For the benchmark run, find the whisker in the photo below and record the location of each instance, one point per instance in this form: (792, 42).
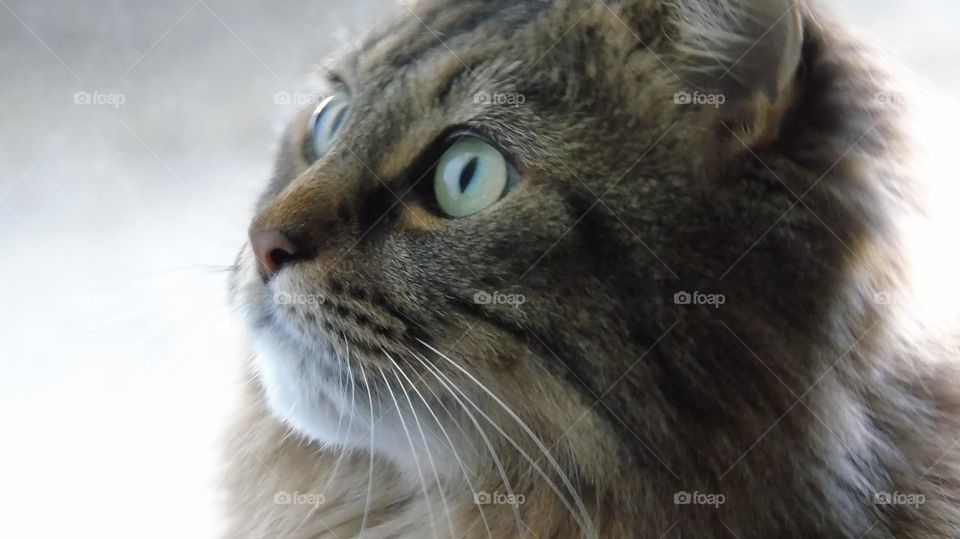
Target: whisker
(586, 522)
(343, 390)
(413, 451)
(152, 331)
(290, 431)
(366, 506)
(453, 448)
(436, 475)
(486, 440)
(439, 401)
(353, 401)
(203, 268)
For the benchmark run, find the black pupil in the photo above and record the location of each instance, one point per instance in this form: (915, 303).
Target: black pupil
(466, 176)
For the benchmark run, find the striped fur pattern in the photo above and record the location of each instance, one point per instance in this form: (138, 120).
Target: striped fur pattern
(397, 406)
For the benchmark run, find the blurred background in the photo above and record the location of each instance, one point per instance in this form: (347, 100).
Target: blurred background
(135, 136)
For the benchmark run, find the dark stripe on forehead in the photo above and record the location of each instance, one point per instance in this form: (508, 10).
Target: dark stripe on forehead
(443, 91)
(438, 26)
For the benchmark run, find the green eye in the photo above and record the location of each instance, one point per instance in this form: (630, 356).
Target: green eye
(470, 176)
(325, 123)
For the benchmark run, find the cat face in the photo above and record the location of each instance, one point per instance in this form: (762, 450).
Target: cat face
(488, 221)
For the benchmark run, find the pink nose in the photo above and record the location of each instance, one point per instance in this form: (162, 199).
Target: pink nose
(273, 249)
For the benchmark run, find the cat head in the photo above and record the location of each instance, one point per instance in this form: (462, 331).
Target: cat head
(524, 225)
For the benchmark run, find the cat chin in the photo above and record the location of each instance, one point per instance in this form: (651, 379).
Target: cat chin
(302, 390)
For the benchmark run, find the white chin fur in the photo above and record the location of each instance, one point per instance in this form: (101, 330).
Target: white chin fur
(303, 392)
(300, 392)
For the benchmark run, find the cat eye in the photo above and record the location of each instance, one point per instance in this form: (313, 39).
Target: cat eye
(470, 176)
(325, 123)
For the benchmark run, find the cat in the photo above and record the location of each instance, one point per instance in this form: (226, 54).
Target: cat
(610, 268)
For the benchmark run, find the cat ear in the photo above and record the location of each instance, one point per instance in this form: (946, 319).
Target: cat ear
(741, 56)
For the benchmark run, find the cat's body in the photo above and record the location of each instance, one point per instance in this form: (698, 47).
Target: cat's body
(797, 403)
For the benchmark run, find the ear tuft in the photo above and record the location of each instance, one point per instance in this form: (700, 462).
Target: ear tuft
(747, 51)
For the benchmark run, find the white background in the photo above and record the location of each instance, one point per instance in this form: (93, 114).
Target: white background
(116, 347)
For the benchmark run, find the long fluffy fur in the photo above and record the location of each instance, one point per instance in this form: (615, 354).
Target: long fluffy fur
(806, 400)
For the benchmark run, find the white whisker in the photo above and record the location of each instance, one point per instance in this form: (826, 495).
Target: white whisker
(341, 455)
(353, 401)
(453, 447)
(366, 506)
(413, 452)
(585, 521)
(426, 445)
(486, 440)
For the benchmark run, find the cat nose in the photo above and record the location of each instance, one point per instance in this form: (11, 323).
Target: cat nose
(273, 250)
